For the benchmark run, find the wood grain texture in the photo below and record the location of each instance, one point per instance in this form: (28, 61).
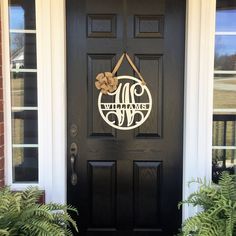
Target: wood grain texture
(129, 182)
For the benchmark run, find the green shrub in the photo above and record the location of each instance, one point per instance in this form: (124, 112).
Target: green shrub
(21, 214)
(218, 204)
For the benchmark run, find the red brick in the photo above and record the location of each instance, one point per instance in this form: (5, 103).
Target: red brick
(1, 117)
(1, 93)
(42, 198)
(1, 129)
(2, 163)
(1, 139)
(1, 105)
(2, 174)
(1, 152)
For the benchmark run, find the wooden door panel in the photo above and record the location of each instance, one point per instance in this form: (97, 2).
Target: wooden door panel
(149, 26)
(151, 67)
(147, 193)
(129, 182)
(101, 26)
(102, 185)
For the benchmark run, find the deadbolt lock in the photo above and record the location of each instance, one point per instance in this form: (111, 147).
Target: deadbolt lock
(74, 149)
(73, 130)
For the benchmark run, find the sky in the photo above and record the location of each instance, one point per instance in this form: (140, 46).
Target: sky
(225, 22)
(16, 17)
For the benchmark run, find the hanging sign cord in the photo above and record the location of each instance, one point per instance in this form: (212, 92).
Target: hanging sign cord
(135, 69)
(118, 64)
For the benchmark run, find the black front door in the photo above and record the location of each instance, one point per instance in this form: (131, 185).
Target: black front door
(128, 182)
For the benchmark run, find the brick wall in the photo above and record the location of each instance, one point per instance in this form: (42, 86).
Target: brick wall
(1, 116)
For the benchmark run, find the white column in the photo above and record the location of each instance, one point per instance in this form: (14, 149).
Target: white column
(200, 28)
(52, 97)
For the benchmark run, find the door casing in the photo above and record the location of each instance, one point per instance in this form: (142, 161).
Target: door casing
(51, 59)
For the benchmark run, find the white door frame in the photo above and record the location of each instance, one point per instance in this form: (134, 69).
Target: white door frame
(198, 109)
(51, 44)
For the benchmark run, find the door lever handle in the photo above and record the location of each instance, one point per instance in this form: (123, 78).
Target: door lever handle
(73, 155)
(74, 177)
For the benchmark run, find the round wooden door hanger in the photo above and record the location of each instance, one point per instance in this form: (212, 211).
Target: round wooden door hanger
(124, 102)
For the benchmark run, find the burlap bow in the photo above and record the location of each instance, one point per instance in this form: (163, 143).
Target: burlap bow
(107, 81)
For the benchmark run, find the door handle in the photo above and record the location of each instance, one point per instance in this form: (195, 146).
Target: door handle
(73, 155)
(74, 177)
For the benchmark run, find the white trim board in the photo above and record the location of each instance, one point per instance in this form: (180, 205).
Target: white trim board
(6, 92)
(51, 41)
(52, 91)
(199, 66)
(22, 31)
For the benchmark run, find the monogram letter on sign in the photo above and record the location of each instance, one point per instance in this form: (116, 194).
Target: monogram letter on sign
(124, 102)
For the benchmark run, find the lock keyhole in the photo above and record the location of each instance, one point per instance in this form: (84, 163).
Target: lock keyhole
(73, 149)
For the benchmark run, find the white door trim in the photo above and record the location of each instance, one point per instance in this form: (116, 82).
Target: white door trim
(198, 110)
(51, 38)
(51, 43)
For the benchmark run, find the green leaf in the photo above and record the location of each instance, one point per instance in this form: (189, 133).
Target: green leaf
(21, 214)
(218, 202)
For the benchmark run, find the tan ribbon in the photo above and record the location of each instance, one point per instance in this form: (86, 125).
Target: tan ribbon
(108, 82)
(118, 64)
